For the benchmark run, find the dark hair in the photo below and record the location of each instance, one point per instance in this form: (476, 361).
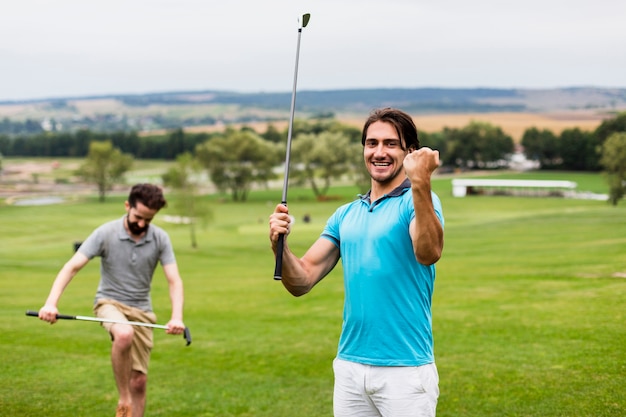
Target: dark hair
(402, 122)
(149, 195)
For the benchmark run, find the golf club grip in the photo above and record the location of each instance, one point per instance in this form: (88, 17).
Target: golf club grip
(278, 271)
(59, 316)
(187, 335)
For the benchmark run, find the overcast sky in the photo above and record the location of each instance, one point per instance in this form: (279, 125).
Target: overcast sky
(57, 48)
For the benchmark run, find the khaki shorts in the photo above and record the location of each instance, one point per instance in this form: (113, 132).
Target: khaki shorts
(142, 340)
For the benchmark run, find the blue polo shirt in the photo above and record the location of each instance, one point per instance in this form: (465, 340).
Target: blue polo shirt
(388, 294)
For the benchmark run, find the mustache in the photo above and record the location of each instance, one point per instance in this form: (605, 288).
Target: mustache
(134, 227)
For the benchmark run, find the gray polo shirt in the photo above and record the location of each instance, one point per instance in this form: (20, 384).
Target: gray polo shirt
(126, 266)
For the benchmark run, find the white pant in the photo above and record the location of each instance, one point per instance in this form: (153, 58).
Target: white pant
(384, 391)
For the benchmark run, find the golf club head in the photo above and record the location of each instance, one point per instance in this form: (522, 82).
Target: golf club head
(305, 19)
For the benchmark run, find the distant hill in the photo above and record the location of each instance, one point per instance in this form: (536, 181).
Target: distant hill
(413, 99)
(167, 110)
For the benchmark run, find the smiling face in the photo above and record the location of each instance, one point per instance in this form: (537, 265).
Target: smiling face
(383, 154)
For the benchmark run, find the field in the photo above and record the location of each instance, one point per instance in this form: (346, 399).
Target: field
(528, 311)
(513, 124)
(558, 113)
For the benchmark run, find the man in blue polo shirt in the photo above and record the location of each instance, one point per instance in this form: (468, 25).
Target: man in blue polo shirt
(388, 240)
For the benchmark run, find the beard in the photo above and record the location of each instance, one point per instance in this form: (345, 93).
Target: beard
(134, 228)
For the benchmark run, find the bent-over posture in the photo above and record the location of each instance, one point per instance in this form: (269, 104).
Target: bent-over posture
(130, 249)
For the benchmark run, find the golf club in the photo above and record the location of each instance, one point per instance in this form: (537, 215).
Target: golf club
(186, 333)
(281, 239)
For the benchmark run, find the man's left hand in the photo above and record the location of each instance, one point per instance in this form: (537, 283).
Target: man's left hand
(175, 327)
(421, 163)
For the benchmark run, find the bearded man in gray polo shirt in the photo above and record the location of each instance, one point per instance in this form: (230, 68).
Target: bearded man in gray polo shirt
(130, 249)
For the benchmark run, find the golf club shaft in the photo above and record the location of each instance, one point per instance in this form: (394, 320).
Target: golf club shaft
(281, 238)
(186, 333)
(101, 320)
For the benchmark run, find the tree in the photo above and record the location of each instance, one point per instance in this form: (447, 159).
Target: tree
(322, 157)
(237, 160)
(542, 146)
(361, 175)
(578, 150)
(610, 126)
(272, 134)
(353, 133)
(181, 177)
(175, 144)
(478, 145)
(5, 144)
(104, 166)
(613, 159)
(435, 140)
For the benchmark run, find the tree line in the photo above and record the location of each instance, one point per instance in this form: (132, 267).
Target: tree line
(76, 144)
(325, 150)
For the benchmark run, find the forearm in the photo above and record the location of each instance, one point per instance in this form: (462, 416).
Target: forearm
(61, 281)
(293, 273)
(299, 275)
(176, 298)
(427, 233)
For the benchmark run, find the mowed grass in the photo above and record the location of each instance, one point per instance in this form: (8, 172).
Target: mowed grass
(528, 312)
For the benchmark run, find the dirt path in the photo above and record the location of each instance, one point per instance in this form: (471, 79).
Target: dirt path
(27, 179)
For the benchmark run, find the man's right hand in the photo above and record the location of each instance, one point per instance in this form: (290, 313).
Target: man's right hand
(280, 223)
(48, 313)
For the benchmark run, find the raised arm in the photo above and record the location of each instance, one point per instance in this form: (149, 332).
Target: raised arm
(426, 230)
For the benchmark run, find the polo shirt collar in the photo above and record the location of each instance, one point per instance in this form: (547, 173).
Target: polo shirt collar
(396, 192)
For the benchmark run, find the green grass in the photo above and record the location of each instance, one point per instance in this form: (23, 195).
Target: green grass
(528, 312)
